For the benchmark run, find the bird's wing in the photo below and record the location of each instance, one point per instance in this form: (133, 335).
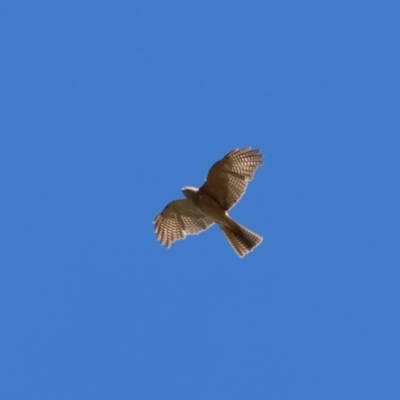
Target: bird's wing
(178, 219)
(228, 178)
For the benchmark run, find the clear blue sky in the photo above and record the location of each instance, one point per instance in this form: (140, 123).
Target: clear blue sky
(108, 109)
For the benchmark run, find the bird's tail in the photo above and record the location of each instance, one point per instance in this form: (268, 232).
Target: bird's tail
(240, 238)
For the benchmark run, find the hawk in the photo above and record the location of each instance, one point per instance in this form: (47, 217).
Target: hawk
(226, 183)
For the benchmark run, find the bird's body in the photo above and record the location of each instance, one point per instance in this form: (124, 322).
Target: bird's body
(206, 204)
(226, 183)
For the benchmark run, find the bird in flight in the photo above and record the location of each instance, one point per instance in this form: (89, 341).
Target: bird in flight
(226, 183)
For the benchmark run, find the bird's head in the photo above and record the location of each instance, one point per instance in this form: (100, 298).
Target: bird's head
(189, 191)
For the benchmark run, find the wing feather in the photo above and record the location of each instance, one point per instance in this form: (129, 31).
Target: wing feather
(178, 219)
(228, 178)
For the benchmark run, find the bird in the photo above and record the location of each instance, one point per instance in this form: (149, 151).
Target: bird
(203, 207)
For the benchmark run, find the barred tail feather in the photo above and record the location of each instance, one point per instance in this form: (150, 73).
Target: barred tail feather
(241, 239)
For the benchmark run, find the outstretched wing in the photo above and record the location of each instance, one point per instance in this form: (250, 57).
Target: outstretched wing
(228, 178)
(178, 219)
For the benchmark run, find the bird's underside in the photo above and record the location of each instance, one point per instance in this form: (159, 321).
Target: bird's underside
(226, 183)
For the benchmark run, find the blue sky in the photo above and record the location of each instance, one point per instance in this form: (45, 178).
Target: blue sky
(108, 109)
